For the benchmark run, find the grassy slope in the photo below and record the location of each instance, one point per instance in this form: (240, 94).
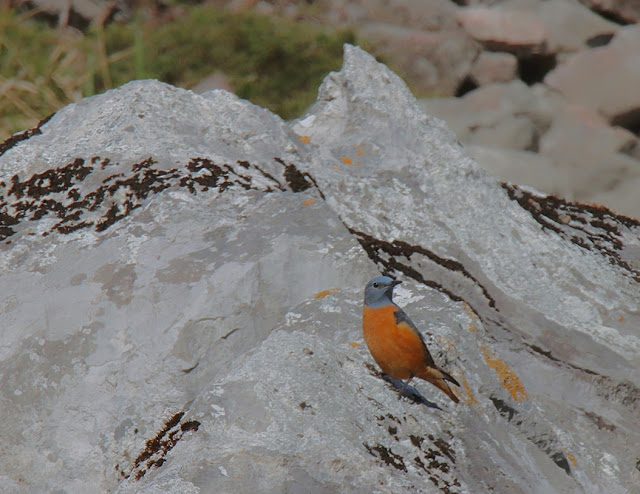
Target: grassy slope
(274, 63)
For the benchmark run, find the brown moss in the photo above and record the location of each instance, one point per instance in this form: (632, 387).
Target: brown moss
(156, 449)
(56, 191)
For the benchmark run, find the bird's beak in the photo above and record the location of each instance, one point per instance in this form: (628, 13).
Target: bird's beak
(395, 282)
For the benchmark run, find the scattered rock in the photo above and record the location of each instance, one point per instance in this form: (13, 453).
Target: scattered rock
(437, 61)
(622, 191)
(605, 79)
(458, 48)
(492, 67)
(525, 168)
(581, 154)
(425, 15)
(570, 26)
(624, 11)
(520, 33)
(79, 13)
(507, 115)
(583, 140)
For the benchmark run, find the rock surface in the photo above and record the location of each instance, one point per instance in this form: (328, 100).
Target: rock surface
(569, 53)
(627, 11)
(437, 61)
(604, 79)
(570, 26)
(580, 156)
(182, 283)
(509, 31)
(494, 67)
(508, 115)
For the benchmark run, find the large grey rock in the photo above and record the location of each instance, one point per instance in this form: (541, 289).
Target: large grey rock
(130, 284)
(193, 325)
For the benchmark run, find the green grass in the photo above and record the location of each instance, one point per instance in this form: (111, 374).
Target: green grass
(274, 63)
(39, 69)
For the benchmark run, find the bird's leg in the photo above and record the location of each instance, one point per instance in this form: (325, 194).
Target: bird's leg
(403, 388)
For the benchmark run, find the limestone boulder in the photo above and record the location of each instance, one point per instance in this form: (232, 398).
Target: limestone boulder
(130, 283)
(182, 281)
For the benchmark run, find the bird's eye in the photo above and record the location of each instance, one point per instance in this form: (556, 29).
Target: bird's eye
(375, 285)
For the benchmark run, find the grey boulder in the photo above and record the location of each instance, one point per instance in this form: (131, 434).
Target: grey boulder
(181, 292)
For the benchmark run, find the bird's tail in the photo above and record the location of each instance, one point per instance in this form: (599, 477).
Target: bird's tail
(438, 378)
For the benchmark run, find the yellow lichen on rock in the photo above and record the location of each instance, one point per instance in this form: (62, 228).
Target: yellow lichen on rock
(509, 379)
(324, 293)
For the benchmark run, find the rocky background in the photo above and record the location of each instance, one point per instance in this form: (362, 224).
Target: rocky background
(181, 290)
(540, 92)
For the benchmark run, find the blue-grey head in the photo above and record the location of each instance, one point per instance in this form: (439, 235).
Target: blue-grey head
(379, 291)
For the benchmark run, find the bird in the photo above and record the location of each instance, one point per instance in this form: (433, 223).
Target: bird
(394, 341)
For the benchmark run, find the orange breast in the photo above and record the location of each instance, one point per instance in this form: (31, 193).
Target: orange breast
(396, 348)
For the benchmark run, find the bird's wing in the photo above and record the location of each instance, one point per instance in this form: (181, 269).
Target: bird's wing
(403, 318)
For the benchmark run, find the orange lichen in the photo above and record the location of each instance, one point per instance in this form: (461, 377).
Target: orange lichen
(324, 293)
(621, 319)
(571, 458)
(470, 399)
(305, 139)
(309, 202)
(360, 151)
(346, 160)
(471, 314)
(509, 379)
(355, 344)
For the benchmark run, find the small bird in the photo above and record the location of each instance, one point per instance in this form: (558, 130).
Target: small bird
(394, 341)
